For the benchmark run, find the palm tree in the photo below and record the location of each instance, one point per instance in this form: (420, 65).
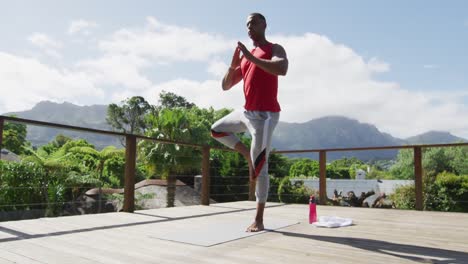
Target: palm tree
(167, 159)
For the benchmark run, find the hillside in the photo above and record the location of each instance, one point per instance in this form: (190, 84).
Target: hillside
(434, 137)
(326, 132)
(335, 132)
(69, 114)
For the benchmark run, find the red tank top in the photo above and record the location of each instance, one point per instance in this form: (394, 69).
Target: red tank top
(260, 87)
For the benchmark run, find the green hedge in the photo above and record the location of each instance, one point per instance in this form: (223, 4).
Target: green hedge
(21, 186)
(448, 192)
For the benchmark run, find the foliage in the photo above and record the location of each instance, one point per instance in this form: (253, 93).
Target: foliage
(338, 173)
(14, 137)
(278, 165)
(403, 169)
(338, 169)
(57, 143)
(175, 124)
(304, 167)
(229, 176)
(130, 116)
(114, 171)
(101, 158)
(20, 184)
(434, 161)
(448, 193)
(377, 173)
(163, 158)
(404, 197)
(293, 192)
(172, 100)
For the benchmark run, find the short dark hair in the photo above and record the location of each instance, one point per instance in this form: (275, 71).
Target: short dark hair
(258, 15)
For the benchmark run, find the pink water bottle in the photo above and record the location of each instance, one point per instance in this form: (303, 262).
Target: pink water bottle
(312, 210)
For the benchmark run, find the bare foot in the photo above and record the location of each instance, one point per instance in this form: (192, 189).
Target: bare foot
(255, 227)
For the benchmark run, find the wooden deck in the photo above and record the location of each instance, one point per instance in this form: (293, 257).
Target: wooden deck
(378, 236)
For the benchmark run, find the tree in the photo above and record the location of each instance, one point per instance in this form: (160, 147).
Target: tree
(172, 100)
(344, 168)
(167, 159)
(434, 161)
(403, 169)
(130, 116)
(57, 143)
(458, 159)
(444, 177)
(14, 137)
(304, 167)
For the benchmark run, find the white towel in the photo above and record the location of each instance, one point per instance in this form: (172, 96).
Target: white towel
(333, 221)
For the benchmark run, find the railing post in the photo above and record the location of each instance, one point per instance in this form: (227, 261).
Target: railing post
(418, 182)
(2, 121)
(323, 176)
(130, 165)
(205, 192)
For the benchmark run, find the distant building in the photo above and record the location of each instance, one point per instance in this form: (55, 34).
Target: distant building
(9, 156)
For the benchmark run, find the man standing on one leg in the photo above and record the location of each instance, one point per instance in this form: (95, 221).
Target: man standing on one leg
(259, 69)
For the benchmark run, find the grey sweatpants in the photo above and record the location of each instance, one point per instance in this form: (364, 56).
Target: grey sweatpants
(260, 126)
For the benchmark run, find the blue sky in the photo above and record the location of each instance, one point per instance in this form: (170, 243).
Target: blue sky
(400, 65)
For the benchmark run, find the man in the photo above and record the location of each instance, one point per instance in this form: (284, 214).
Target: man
(259, 69)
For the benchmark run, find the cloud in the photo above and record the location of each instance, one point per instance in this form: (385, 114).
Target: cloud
(43, 41)
(47, 44)
(327, 78)
(81, 26)
(166, 43)
(324, 78)
(217, 68)
(117, 69)
(26, 81)
(204, 94)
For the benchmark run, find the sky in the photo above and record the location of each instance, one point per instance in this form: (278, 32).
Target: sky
(399, 65)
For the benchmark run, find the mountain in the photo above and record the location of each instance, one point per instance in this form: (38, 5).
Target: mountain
(326, 132)
(68, 114)
(434, 137)
(334, 132)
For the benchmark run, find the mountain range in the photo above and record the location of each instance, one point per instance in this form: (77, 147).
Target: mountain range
(326, 132)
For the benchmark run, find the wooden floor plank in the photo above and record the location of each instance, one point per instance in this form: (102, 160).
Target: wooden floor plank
(377, 236)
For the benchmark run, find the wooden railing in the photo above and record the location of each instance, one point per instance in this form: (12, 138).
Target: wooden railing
(130, 159)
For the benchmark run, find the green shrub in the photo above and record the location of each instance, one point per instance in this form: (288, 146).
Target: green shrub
(450, 193)
(293, 193)
(20, 186)
(404, 197)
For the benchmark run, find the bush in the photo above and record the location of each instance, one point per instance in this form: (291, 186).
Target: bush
(293, 193)
(449, 193)
(404, 197)
(20, 186)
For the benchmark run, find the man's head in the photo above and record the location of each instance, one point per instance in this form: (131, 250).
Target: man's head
(256, 26)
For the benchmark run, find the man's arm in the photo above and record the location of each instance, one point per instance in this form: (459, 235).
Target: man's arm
(278, 65)
(234, 74)
(232, 77)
